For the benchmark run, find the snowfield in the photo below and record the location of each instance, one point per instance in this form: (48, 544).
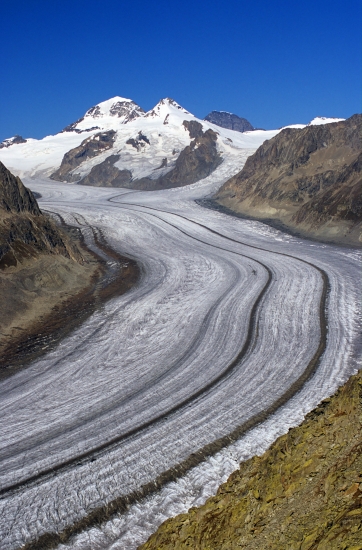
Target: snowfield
(234, 332)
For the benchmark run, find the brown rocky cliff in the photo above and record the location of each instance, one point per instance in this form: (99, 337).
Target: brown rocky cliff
(41, 269)
(25, 232)
(14, 197)
(195, 162)
(309, 179)
(304, 493)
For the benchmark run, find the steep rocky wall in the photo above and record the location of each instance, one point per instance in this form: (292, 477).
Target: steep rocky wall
(304, 493)
(309, 179)
(89, 148)
(25, 232)
(229, 120)
(196, 161)
(105, 174)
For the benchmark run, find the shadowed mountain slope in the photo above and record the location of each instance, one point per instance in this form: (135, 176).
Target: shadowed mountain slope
(41, 267)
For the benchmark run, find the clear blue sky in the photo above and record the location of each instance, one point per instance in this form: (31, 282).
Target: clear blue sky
(273, 62)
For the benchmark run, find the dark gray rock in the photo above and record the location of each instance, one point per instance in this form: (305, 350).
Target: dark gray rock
(194, 128)
(197, 161)
(24, 231)
(128, 109)
(89, 148)
(139, 141)
(229, 121)
(12, 141)
(106, 174)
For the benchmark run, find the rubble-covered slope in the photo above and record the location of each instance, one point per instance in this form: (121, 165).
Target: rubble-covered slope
(309, 179)
(40, 265)
(303, 493)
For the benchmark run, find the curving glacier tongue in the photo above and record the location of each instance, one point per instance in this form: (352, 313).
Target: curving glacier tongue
(234, 332)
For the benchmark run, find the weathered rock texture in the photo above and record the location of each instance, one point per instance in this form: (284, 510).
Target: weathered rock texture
(128, 110)
(24, 231)
(106, 174)
(40, 265)
(304, 493)
(230, 121)
(195, 162)
(89, 148)
(309, 179)
(194, 128)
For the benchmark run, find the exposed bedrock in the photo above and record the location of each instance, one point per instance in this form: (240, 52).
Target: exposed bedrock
(194, 128)
(229, 121)
(14, 197)
(304, 492)
(89, 148)
(197, 161)
(40, 265)
(128, 110)
(309, 179)
(12, 141)
(24, 231)
(106, 174)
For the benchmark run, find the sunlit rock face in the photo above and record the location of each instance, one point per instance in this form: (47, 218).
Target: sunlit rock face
(308, 178)
(304, 491)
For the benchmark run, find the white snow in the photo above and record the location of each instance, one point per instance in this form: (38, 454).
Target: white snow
(324, 120)
(43, 157)
(142, 354)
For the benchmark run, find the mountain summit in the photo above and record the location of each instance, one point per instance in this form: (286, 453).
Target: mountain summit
(230, 121)
(105, 113)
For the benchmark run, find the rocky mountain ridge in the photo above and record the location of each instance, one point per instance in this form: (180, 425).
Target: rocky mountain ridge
(194, 158)
(230, 121)
(309, 179)
(24, 231)
(41, 267)
(117, 144)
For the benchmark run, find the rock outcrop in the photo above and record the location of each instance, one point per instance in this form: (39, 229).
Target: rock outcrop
(304, 493)
(89, 148)
(24, 231)
(117, 107)
(309, 179)
(106, 174)
(197, 161)
(41, 267)
(12, 141)
(229, 121)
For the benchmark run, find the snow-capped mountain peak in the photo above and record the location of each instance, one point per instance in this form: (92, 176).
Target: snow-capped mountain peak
(167, 106)
(116, 106)
(102, 115)
(12, 141)
(324, 120)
